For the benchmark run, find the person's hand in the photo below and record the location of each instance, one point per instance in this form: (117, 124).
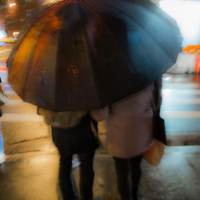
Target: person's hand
(100, 114)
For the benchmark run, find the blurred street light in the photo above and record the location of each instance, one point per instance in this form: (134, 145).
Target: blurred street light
(1, 35)
(12, 5)
(15, 34)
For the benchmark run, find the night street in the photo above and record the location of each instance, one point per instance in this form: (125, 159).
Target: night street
(81, 55)
(31, 165)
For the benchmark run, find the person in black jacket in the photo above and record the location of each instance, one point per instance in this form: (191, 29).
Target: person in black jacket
(78, 139)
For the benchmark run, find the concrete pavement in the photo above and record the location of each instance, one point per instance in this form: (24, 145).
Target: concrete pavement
(29, 176)
(31, 167)
(33, 176)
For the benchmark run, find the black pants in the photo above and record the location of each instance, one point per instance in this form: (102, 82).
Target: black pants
(128, 176)
(65, 171)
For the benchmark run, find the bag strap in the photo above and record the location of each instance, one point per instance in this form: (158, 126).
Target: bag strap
(156, 93)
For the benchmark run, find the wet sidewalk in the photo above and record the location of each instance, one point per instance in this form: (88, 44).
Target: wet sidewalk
(30, 171)
(33, 176)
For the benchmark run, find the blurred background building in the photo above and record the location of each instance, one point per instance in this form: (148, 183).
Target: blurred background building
(187, 15)
(14, 13)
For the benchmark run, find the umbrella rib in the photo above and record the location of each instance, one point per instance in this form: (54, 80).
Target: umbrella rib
(110, 33)
(133, 20)
(64, 13)
(49, 21)
(97, 93)
(139, 26)
(25, 30)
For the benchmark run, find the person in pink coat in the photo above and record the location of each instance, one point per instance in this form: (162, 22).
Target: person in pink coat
(129, 135)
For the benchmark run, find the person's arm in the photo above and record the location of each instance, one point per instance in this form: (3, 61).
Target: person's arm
(100, 114)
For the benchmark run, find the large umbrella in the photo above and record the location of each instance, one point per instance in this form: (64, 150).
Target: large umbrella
(84, 54)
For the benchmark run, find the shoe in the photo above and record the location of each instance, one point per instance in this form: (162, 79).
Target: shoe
(136, 198)
(98, 198)
(75, 163)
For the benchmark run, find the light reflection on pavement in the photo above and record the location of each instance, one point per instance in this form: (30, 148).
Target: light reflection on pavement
(2, 155)
(1, 141)
(3, 75)
(3, 71)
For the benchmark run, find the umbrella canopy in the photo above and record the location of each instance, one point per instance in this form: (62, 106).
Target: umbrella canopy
(6, 39)
(85, 54)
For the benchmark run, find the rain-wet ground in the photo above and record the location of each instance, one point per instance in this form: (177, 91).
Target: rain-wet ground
(32, 176)
(31, 167)
(181, 108)
(2, 155)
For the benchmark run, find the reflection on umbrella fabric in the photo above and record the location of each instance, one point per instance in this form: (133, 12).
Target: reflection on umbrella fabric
(6, 39)
(83, 54)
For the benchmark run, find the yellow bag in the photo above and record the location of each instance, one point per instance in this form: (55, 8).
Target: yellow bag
(3, 97)
(154, 155)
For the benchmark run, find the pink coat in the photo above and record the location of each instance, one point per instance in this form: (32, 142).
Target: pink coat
(129, 124)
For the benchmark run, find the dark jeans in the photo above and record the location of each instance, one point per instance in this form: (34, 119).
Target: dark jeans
(128, 176)
(65, 171)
